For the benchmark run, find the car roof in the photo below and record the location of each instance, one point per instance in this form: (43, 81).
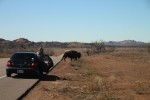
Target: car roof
(26, 52)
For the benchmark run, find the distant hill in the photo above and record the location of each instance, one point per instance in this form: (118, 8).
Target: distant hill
(21, 40)
(125, 43)
(23, 44)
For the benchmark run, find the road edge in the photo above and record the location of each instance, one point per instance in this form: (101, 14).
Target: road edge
(29, 89)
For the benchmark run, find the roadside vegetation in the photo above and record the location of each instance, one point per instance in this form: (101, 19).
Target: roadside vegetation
(119, 75)
(102, 73)
(4, 55)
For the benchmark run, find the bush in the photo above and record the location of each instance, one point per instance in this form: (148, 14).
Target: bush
(98, 47)
(148, 48)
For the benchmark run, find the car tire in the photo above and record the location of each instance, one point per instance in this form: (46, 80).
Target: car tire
(8, 74)
(39, 73)
(51, 63)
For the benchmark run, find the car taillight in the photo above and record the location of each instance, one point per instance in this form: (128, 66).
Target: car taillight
(9, 63)
(33, 64)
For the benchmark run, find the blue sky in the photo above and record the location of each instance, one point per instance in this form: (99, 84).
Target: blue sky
(75, 20)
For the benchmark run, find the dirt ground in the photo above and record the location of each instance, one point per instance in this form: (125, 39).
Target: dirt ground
(121, 76)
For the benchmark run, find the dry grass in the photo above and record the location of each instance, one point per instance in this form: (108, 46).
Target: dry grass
(85, 86)
(4, 55)
(102, 87)
(142, 87)
(58, 51)
(112, 76)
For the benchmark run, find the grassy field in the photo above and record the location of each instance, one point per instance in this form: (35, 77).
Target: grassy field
(49, 51)
(121, 75)
(5, 55)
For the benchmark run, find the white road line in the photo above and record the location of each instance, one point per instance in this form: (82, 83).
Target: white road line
(2, 77)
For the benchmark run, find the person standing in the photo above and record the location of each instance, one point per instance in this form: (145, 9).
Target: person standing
(40, 53)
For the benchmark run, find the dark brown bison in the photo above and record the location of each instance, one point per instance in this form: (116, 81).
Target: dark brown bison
(72, 55)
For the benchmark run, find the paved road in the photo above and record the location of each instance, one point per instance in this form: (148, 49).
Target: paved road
(11, 88)
(3, 66)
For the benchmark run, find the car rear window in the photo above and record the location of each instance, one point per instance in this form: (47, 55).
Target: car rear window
(23, 56)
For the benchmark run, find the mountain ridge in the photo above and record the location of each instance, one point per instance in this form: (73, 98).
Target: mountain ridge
(68, 44)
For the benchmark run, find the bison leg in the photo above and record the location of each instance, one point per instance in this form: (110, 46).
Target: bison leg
(65, 59)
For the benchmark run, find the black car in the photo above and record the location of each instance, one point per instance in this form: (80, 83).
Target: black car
(28, 63)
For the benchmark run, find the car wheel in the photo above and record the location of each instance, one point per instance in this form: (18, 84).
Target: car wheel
(51, 63)
(8, 74)
(39, 73)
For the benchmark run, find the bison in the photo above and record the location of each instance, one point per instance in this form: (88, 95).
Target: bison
(72, 55)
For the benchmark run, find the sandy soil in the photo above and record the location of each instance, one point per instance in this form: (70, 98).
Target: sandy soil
(97, 77)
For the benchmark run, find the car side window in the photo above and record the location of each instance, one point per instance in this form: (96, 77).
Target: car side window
(46, 58)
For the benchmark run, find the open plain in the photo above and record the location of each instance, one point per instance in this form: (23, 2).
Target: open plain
(107, 76)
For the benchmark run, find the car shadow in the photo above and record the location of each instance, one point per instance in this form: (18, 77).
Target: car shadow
(45, 77)
(25, 77)
(51, 78)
